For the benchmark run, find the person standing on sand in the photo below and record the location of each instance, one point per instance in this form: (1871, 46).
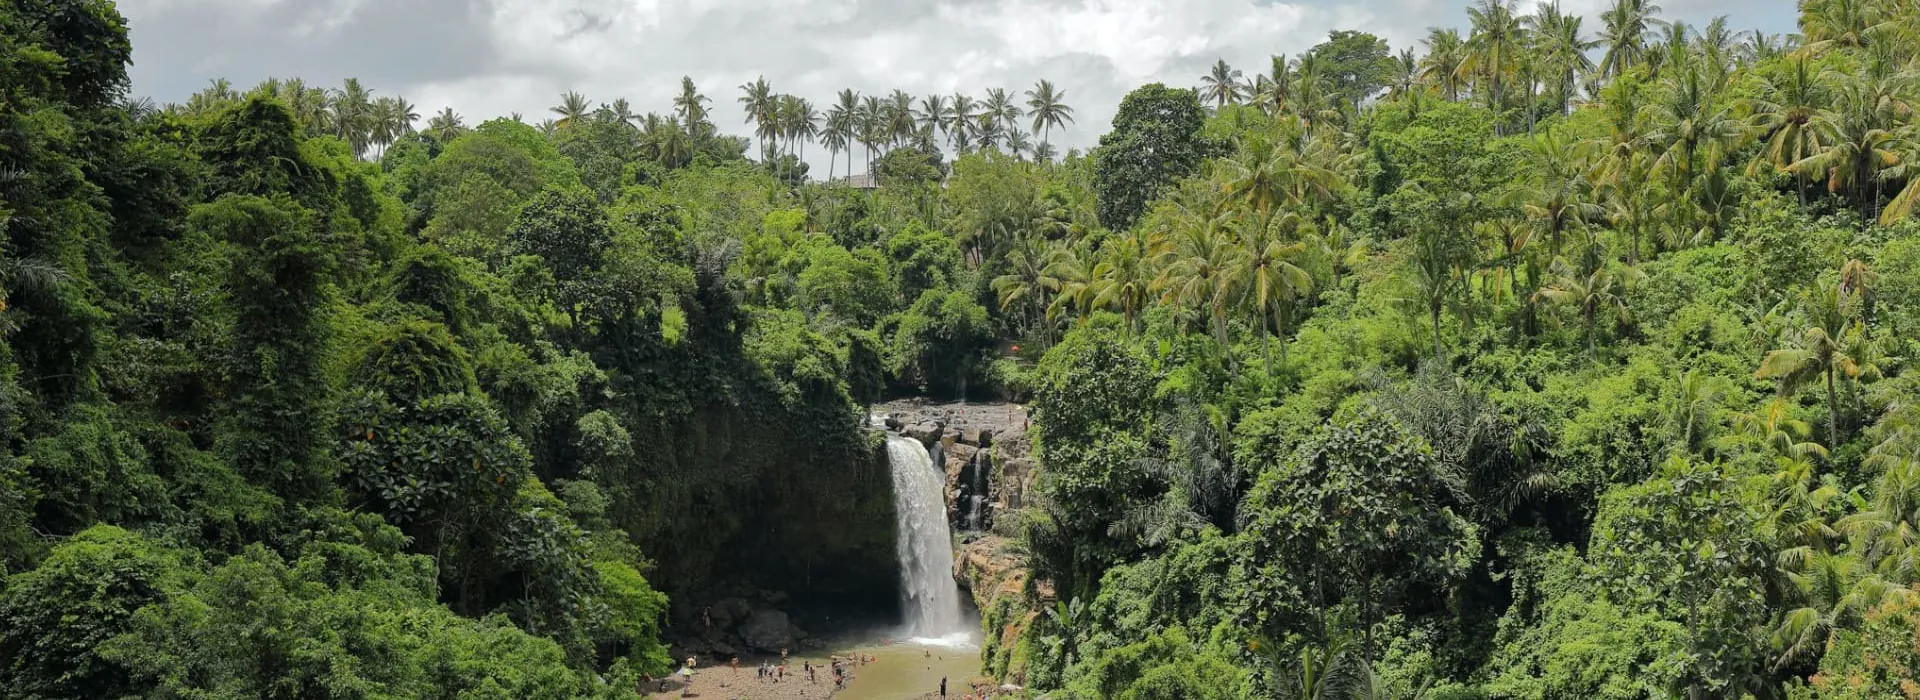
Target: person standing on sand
(735, 663)
(943, 686)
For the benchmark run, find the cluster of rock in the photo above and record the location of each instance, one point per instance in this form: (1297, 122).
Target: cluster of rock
(737, 626)
(983, 450)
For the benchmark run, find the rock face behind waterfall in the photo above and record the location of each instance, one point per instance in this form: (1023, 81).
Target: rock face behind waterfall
(983, 450)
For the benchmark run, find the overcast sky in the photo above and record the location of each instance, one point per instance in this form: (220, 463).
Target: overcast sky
(488, 58)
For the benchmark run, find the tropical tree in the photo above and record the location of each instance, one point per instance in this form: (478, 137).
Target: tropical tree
(1834, 590)
(1624, 35)
(931, 117)
(1860, 136)
(1556, 193)
(1027, 283)
(1783, 111)
(1123, 278)
(1000, 109)
(573, 108)
(1850, 24)
(960, 121)
(1196, 263)
(761, 104)
(1494, 49)
(1562, 50)
(900, 125)
(691, 108)
(1049, 109)
(446, 125)
(1833, 344)
(1273, 91)
(1221, 85)
(1595, 294)
(353, 115)
(1269, 272)
(1441, 67)
(844, 124)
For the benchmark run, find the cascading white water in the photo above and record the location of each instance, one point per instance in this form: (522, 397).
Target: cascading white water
(923, 543)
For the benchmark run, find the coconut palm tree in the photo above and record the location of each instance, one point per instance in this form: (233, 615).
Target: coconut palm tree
(1562, 50)
(446, 125)
(1027, 283)
(1221, 85)
(960, 121)
(759, 102)
(1049, 109)
(1045, 153)
(621, 112)
(931, 117)
(1556, 193)
(1494, 49)
(799, 123)
(844, 119)
(1446, 53)
(1860, 136)
(989, 131)
(872, 126)
(691, 108)
(1783, 111)
(1018, 145)
(1269, 273)
(1000, 108)
(1834, 590)
(353, 117)
(1625, 35)
(1196, 270)
(1852, 24)
(1123, 278)
(1273, 91)
(1832, 345)
(1598, 293)
(835, 136)
(572, 109)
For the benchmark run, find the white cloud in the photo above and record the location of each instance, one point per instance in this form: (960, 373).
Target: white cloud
(488, 58)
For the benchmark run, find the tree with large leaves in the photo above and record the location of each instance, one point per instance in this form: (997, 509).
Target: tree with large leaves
(1494, 50)
(1441, 67)
(759, 103)
(573, 109)
(1221, 85)
(691, 108)
(1047, 105)
(1625, 35)
(1832, 345)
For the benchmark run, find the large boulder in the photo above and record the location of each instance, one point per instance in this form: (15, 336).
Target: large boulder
(767, 631)
(927, 433)
(728, 612)
(977, 437)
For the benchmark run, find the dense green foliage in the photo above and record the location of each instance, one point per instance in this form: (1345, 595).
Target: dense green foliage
(1491, 372)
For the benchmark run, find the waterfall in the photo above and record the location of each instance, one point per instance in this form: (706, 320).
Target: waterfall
(924, 546)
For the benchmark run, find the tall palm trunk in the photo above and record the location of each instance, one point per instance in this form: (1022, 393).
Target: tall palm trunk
(1433, 309)
(1833, 410)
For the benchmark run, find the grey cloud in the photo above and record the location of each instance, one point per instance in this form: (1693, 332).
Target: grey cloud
(487, 58)
(387, 43)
